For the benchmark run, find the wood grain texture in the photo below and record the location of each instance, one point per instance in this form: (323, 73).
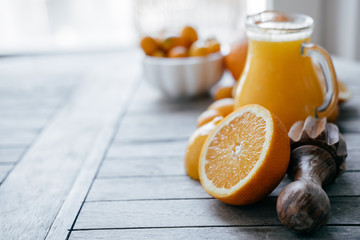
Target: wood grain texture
(347, 71)
(132, 167)
(29, 123)
(174, 213)
(197, 213)
(175, 187)
(17, 137)
(353, 159)
(148, 100)
(167, 166)
(216, 233)
(47, 172)
(161, 126)
(352, 140)
(67, 215)
(150, 149)
(350, 110)
(14, 106)
(4, 170)
(69, 209)
(349, 126)
(11, 155)
(180, 187)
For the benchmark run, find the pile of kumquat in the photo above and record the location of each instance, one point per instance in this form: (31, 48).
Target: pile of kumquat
(186, 44)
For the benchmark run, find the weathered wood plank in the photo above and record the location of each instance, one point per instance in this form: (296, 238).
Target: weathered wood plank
(349, 126)
(148, 149)
(161, 126)
(142, 167)
(175, 187)
(34, 123)
(4, 170)
(216, 233)
(180, 187)
(17, 137)
(23, 95)
(199, 212)
(24, 112)
(58, 154)
(67, 214)
(149, 100)
(165, 166)
(346, 184)
(174, 213)
(11, 155)
(349, 114)
(347, 70)
(352, 140)
(349, 111)
(353, 159)
(72, 205)
(19, 101)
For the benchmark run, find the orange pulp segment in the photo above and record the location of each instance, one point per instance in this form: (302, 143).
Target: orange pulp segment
(245, 157)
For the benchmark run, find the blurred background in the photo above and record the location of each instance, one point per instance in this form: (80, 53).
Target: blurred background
(47, 26)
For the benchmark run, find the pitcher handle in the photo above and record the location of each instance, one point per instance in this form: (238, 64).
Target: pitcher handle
(318, 54)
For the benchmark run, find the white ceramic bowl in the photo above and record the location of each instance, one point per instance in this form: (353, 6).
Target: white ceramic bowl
(184, 77)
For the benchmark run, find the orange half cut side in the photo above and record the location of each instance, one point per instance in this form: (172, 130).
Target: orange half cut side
(245, 157)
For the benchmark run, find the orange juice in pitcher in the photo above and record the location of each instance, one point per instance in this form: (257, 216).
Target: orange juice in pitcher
(280, 73)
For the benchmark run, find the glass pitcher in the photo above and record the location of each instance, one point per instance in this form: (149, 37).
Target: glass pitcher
(280, 71)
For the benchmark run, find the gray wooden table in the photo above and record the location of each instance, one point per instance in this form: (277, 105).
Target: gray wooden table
(90, 151)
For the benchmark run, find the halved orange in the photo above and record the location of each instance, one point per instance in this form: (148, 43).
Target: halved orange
(194, 147)
(245, 157)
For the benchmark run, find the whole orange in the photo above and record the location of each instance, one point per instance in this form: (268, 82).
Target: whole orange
(235, 60)
(189, 34)
(149, 45)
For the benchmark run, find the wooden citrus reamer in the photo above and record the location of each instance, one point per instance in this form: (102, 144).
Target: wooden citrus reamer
(318, 153)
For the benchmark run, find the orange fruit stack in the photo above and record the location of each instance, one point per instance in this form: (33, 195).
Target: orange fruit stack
(186, 44)
(245, 157)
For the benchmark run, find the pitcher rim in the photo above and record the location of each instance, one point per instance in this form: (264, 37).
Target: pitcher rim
(304, 22)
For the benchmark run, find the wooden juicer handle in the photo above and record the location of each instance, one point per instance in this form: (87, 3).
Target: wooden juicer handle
(317, 157)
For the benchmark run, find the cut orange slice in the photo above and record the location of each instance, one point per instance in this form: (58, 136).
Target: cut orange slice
(245, 157)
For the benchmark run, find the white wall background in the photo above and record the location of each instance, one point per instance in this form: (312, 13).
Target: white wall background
(37, 25)
(337, 23)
